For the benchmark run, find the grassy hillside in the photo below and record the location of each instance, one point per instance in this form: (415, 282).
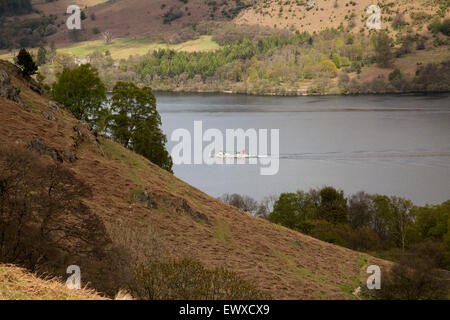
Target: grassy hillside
(189, 223)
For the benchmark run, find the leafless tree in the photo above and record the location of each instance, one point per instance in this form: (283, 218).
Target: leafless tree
(244, 203)
(107, 36)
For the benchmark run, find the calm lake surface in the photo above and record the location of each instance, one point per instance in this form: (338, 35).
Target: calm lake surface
(393, 145)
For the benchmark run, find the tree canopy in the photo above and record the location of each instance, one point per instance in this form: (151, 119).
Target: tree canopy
(81, 91)
(135, 123)
(26, 63)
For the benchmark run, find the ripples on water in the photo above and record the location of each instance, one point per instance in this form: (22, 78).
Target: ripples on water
(395, 145)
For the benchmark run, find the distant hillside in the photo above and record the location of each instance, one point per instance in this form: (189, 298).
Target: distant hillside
(136, 18)
(130, 193)
(317, 15)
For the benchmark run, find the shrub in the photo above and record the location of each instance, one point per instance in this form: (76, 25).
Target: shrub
(435, 25)
(413, 278)
(174, 13)
(396, 74)
(445, 27)
(190, 280)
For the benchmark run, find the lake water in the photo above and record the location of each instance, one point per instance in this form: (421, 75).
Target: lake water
(393, 145)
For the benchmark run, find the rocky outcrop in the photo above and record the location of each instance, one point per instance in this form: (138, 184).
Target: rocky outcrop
(70, 156)
(178, 205)
(48, 116)
(53, 105)
(146, 198)
(40, 147)
(181, 206)
(79, 138)
(7, 89)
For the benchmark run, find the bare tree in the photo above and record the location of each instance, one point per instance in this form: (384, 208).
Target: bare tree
(266, 206)
(244, 203)
(107, 36)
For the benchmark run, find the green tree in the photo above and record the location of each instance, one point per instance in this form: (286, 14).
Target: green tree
(381, 44)
(286, 211)
(26, 63)
(328, 67)
(52, 52)
(41, 56)
(135, 123)
(397, 215)
(434, 221)
(82, 92)
(336, 59)
(293, 210)
(150, 142)
(333, 205)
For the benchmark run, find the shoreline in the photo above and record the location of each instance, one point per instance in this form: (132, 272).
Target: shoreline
(275, 94)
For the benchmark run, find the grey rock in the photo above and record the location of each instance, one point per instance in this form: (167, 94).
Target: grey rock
(38, 145)
(7, 89)
(26, 106)
(197, 216)
(56, 155)
(35, 86)
(50, 30)
(79, 138)
(146, 198)
(70, 156)
(48, 116)
(53, 105)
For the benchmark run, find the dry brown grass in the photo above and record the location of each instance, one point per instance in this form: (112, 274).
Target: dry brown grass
(407, 64)
(18, 284)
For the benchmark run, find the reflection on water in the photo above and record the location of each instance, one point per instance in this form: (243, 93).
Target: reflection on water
(395, 145)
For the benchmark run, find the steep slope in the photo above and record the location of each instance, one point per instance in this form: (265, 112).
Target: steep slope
(283, 262)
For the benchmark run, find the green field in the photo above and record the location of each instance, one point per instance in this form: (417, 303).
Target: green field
(123, 48)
